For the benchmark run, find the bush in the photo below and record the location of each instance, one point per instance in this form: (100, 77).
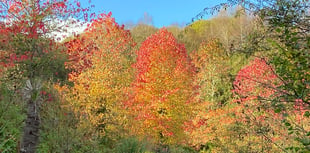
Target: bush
(59, 130)
(11, 118)
(131, 145)
(173, 149)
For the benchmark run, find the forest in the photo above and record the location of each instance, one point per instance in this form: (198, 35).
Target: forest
(237, 82)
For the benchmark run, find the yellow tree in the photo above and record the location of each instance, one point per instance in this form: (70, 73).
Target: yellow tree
(104, 73)
(213, 112)
(212, 70)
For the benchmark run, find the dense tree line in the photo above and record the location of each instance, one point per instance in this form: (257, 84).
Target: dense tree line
(238, 82)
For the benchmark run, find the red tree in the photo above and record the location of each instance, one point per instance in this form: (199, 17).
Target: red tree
(25, 43)
(256, 80)
(162, 90)
(256, 85)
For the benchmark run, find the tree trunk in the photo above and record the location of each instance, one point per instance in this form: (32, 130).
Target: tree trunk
(30, 137)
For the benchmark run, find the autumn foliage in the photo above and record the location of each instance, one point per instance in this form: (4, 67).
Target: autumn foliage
(162, 89)
(255, 86)
(28, 30)
(213, 116)
(101, 59)
(211, 63)
(257, 80)
(139, 89)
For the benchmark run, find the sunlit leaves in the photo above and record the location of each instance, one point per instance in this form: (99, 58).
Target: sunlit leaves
(162, 90)
(101, 60)
(256, 80)
(213, 68)
(256, 86)
(26, 35)
(214, 114)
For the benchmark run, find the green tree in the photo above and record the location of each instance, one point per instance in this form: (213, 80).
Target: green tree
(141, 31)
(230, 28)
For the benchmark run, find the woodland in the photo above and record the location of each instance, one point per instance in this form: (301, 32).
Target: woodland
(237, 82)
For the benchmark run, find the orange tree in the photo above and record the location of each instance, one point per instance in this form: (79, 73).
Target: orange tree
(161, 93)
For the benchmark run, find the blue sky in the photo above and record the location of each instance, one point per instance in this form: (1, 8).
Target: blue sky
(163, 12)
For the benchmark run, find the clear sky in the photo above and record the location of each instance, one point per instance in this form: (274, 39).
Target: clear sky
(163, 12)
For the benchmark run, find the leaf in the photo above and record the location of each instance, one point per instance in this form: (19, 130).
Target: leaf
(287, 124)
(290, 133)
(305, 141)
(277, 110)
(307, 114)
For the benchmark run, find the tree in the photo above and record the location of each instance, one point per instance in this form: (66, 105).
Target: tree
(229, 28)
(146, 19)
(256, 86)
(161, 98)
(289, 37)
(101, 60)
(141, 31)
(256, 81)
(212, 71)
(193, 35)
(214, 113)
(287, 25)
(175, 30)
(213, 128)
(285, 39)
(27, 49)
